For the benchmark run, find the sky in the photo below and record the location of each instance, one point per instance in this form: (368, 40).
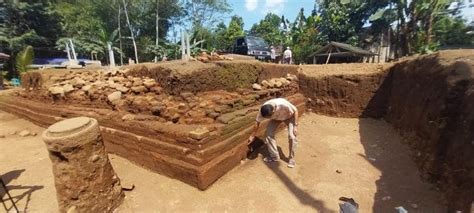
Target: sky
(468, 10)
(252, 11)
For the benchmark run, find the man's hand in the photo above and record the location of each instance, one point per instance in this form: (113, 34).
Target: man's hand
(295, 130)
(251, 138)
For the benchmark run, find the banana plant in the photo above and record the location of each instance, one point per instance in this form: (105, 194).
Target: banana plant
(24, 58)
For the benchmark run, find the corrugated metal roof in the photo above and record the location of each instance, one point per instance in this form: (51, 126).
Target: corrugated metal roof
(348, 49)
(4, 56)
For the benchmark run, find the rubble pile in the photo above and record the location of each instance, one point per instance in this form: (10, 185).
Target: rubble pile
(142, 98)
(204, 57)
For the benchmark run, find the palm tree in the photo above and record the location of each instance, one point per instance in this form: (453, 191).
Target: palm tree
(106, 41)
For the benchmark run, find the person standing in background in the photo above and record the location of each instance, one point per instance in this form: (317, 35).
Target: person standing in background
(272, 54)
(287, 56)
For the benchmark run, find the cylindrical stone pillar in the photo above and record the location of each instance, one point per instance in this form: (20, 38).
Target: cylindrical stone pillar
(84, 178)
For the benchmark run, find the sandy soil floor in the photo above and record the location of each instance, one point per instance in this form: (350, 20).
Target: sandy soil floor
(359, 158)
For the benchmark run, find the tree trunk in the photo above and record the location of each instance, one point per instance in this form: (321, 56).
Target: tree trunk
(429, 25)
(429, 31)
(157, 32)
(120, 36)
(402, 43)
(412, 29)
(111, 54)
(131, 31)
(1, 82)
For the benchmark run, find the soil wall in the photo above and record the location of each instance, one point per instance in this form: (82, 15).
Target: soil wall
(166, 148)
(429, 99)
(345, 90)
(177, 77)
(431, 102)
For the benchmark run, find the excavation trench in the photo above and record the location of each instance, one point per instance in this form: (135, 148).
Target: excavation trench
(191, 121)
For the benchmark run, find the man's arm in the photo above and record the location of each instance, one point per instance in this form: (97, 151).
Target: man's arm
(254, 132)
(296, 117)
(295, 128)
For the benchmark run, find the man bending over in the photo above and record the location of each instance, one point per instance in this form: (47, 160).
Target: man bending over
(278, 110)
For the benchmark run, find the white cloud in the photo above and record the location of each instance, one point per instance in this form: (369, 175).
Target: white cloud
(274, 6)
(251, 5)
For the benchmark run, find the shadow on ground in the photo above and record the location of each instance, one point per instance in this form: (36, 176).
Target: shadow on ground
(257, 147)
(26, 191)
(398, 185)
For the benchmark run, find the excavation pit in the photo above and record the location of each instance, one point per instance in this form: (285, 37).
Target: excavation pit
(427, 99)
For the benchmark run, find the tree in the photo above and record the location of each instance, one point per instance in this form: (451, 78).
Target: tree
(234, 30)
(202, 15)
(107, 40)
(416, 35)
(269, 29)
(305, 37)
(452, 31)
(131, 31)
(82, 19)
(220, 40)
(206, 12)
(344, 20)
(24, 25)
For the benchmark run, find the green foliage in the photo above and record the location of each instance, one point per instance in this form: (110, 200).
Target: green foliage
(204, 13)
(452, 31)
(24, 58)
(24, 24)
(424, 26)
(220, 39)
(269, 29)
(91, 24)
(234, 30)
(306, 41)
(335, 24)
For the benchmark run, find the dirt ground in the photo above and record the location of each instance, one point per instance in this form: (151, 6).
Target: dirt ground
(359, 158)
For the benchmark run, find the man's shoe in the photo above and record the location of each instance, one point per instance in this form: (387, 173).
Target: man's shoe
(270, 159)
(291, 163)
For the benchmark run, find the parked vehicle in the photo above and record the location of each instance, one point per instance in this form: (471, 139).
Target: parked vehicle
(251, 45)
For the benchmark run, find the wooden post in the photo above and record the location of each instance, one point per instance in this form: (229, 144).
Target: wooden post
(329, 56)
